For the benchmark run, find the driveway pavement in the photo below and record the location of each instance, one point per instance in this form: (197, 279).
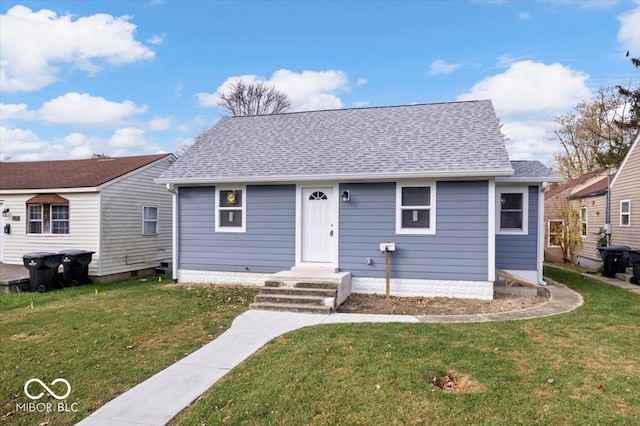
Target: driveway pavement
(160, 398)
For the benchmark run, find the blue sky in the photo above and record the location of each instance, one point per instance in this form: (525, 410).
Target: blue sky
(141, 77)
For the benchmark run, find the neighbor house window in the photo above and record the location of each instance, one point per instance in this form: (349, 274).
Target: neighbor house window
(48, 214)
(34, 211)
(556, 233)
(415, 209)
(583, 221)
(149, 220)
(60, 219)
(230, 209)
(511, 211)
(625, 213)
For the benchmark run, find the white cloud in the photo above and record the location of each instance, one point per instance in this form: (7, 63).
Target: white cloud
(20, 145)
(127, 137)
(526, 97)
(159, 124)
(177, 90)
(15, 112)
(629, 33)
(529, 87)
(529, 140)
(206, 100)
(361, 81)
(157, 39)
(440, 66)
(524, 16)
(86, 110)
(308, 90)
(34, 44)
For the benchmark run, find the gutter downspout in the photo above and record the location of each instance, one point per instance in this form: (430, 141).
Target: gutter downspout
(174, 232)
(541, 233)
(607, 208)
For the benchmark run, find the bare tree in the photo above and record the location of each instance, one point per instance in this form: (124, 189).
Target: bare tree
(592, 135)
(253, 99)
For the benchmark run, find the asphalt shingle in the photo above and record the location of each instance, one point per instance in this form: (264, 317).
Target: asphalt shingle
(69, 173)
(456, 138)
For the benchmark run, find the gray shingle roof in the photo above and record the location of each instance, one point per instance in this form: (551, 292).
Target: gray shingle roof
(445, 139)
(533, 170)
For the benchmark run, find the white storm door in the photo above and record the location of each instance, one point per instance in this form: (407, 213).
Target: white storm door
(317, 225)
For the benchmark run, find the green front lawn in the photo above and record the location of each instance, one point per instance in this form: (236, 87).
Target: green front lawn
(102, 344)
(580, 368)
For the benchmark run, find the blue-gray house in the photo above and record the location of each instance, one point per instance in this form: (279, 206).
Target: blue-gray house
(318, 192)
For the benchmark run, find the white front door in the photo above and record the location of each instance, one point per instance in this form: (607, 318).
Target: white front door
(318, 230)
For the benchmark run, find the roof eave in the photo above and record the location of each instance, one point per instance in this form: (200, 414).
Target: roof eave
(528, 179)
(338, 177)
(49, 190)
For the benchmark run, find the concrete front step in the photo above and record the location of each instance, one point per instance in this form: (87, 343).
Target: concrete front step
(296, 291)
(290, 307)
(295, 300)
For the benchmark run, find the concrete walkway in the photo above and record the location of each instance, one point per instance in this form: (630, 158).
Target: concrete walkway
(160, 398)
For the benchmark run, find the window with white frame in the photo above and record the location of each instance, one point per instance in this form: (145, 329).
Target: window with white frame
(512, 210)
(149, 220)
(555, 233)
(48, 219)
(230, 209)
(34, 224)
(583, 221)
(415, 208)
(625, 213)
(60, 219)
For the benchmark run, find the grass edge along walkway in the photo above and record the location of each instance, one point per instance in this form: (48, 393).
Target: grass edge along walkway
(572, 369)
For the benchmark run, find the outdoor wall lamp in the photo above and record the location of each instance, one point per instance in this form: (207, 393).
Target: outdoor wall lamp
(345, 195)
(5, 213)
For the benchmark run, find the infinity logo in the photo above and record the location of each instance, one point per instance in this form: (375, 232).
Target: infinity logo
(47, 388)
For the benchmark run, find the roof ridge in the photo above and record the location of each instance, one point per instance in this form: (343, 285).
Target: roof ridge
(359, 108)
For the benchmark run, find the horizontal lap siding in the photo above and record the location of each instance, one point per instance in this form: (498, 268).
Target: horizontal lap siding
(123, 246)
(520, 252)
(458, 251)
(267, 246)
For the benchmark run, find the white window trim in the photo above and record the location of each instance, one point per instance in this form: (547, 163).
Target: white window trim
(549, 232)
(51, 220)
(585, 222)
(431, 230)
(242, 228)
(157, 220)
(29, 221)
(628, 213)
(524, 190)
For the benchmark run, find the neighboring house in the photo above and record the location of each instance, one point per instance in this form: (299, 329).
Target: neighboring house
(322, 190)
(575, 218)
(625, 200)
(111, 206)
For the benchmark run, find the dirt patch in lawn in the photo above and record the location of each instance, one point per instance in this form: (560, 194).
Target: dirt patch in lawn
(378, 304)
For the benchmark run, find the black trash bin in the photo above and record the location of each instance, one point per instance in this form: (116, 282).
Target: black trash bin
(634, 260)
(43, 270)
(614, 259)
(75, 264)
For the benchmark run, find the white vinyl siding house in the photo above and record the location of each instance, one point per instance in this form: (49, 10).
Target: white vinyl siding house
(104, 217)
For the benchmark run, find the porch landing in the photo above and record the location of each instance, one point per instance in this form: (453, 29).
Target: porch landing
(13, 278)
(304, 289)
